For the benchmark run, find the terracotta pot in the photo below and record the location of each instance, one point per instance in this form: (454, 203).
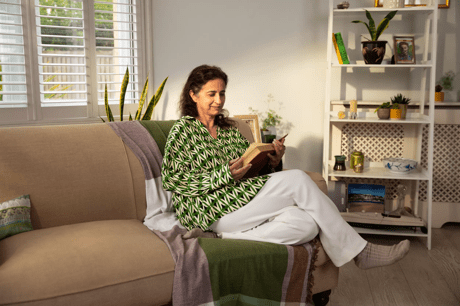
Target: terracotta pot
(374, 51)
(439, 96)
(383, 113)
(395, 114)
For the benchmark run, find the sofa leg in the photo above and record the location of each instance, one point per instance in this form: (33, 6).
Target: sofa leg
(321, 298)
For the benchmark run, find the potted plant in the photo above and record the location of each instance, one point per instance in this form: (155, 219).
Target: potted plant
(395, 112)
(138, 116)
(383, 111)
(402, 103)
(269, 123)
(374, 49)
(444, 83)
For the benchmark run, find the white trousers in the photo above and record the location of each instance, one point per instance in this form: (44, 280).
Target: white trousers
(291, 209)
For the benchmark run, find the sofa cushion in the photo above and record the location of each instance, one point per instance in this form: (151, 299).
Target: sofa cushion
(113, 262)
(15, 216)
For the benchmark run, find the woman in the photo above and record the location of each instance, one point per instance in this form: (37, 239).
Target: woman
(203, 168)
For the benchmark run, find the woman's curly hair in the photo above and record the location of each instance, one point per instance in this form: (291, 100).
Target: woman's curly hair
(196, 80)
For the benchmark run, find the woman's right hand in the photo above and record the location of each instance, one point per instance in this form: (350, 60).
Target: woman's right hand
(236, 168)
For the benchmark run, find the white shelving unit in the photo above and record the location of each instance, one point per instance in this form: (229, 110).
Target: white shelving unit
(423, 116)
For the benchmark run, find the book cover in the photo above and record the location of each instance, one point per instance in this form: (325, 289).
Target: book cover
(342, 49)
(366, 198)
(334, 41)
(256, 155)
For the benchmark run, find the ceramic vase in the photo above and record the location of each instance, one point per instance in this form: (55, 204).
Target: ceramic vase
(374, 51)
(403, 108)
(395, 114)
(393, 3)
(383, 113)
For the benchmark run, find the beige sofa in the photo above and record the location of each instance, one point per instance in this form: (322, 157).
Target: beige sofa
(89, 246)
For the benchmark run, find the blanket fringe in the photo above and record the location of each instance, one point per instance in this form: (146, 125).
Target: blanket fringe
(311, 279)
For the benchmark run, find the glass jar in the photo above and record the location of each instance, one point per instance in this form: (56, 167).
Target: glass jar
(340, 163)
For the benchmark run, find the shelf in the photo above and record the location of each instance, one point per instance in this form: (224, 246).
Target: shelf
(389, 231)
(346, 103)
(371, 117)
(392, 66)
(417, 9)
(378, 219)
(377, 172)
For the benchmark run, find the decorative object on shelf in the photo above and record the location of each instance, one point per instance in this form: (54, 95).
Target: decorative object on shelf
(343, 5)
(366, 198)
(269, 122)
(373, 49)
(399, 165)
(353, 109)
(253, 122)
(341, 115)
(442, 3)
(389, 4)
(383, 111)
(400, 209)
(340, 163)
(445, 82)
(395, 112)
(404, 47)
(402, 103)
(148, 112)
(340, 49)
(357, 161)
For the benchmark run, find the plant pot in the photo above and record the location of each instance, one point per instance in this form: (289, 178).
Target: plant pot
(439, 96)
(383, 113)
(374, 51)
(403, 108)
(395, 114)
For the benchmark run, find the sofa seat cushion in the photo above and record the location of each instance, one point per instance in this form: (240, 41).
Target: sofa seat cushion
(113, 262)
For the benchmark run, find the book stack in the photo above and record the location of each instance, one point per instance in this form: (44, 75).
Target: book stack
(340, 48)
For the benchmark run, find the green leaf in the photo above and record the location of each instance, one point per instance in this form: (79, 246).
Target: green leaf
(130, 117)
(359, 21)
(142, 100)
(108, 111)
(384, 24)
(102, 119)
(154, 101)
(371, 26)
(124, 86)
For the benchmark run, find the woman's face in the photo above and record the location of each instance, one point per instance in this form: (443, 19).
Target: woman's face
(211, 98)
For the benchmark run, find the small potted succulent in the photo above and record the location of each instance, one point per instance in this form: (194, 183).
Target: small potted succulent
(395, 112)
(402, 103)
(383, 111)
(444, 83)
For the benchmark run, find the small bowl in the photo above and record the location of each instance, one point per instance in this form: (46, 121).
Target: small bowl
(400, 165)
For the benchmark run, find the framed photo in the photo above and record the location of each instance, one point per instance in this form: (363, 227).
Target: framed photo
(253, 121)
(404, 49)
(366, 198)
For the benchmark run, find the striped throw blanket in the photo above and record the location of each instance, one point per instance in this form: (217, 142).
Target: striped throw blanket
(217, 271)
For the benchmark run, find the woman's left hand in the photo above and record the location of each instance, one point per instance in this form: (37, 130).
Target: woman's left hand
(279, 152)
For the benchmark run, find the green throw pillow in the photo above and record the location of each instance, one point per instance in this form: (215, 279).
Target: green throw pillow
(15, 216)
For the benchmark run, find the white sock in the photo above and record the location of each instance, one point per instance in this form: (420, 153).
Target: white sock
(374, 255)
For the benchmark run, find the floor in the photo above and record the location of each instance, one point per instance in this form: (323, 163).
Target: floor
(422, 278)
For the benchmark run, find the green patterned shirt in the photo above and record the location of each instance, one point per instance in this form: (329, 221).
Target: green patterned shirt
(195, 168)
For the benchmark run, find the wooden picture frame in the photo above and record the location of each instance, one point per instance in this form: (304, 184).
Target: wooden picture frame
(404, 49)
(408, 3)
(253, 122)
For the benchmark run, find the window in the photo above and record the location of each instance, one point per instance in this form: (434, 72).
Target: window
(56, 56)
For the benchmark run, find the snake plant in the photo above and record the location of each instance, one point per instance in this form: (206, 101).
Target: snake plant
(138, 116)
(383, 25)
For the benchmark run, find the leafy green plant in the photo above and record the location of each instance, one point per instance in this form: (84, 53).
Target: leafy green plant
(395, 106)
(400, 99)
(383, 106)
(138, 116)
(269, 118)
(445, 82)
(383, 25)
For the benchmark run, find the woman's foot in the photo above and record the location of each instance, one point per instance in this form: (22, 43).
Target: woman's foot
(197, 232)
(374, 255)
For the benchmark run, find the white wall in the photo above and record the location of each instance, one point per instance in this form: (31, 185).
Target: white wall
(274, 47)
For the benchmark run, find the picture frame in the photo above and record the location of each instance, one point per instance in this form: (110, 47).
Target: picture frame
(404, 49)
(366, 198)
(253, 122)
(411, 3)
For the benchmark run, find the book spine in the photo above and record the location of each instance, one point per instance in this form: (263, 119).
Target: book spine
(342, 50)
(336, 49)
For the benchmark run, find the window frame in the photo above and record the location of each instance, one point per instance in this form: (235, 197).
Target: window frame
(35, 114)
